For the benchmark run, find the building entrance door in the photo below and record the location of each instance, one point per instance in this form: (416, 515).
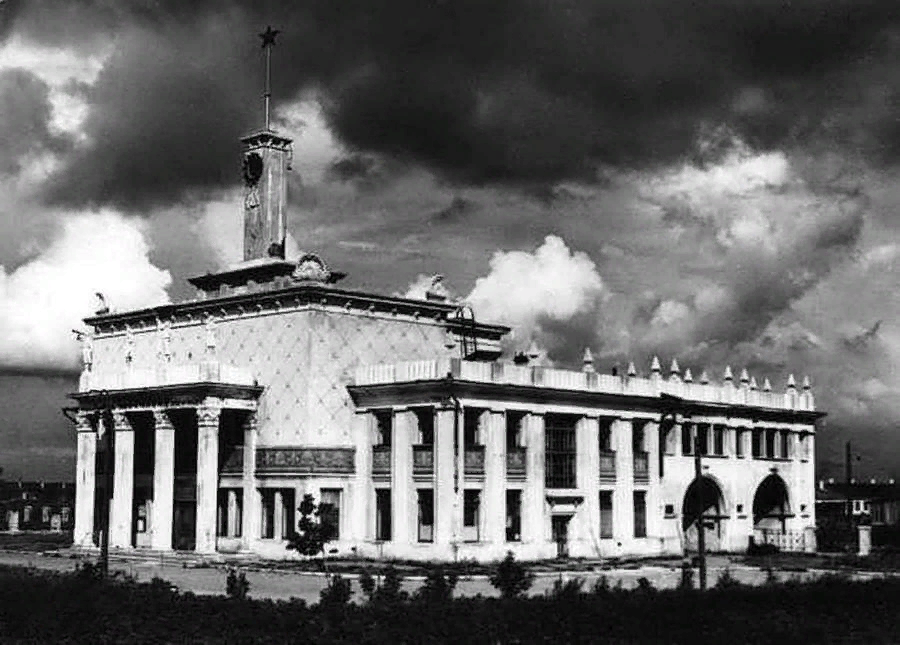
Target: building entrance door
(560, 529)
(184, 525)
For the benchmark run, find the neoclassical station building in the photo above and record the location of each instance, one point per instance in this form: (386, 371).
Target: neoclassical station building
(403, 420)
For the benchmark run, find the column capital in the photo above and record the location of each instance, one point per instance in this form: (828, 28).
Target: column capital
(250, 422)
(208, 416)
(161, 419)
(84, 422)
(120, 421)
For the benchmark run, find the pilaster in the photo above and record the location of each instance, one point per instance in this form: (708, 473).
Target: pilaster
(623, 494)
(123, 482)
(252, 507)
(654, 503)
(362, 502)
(402, 499)
(535, 526)
(587, 470)
(494, 495)
(445, 477)
(85, 481)
(163, 481)
(207, 477)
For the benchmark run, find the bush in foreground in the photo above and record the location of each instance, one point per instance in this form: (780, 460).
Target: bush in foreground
(512, 579)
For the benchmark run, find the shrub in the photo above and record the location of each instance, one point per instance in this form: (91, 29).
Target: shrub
(512, 579)
(727, 580)
(337, 594)
(762, 549)
(236, 584)
(390, 591)
(367, 584)
(601, 586)
(438, 586)
(568, 590)
(644, 585)
(312, 531)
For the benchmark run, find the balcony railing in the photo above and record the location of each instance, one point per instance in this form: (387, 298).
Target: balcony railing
(515, 462)
(607, 464)
(423, 460)
(381, 460)
(641, 467)
(166, 374)
(475, 460)
(234, 462)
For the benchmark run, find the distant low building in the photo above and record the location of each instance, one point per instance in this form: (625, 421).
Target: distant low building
(37, 506)
(872, 501)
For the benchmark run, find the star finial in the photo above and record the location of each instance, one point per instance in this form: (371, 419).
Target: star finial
(268, 36)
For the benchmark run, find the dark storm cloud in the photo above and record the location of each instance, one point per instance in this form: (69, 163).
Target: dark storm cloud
(25, 125)
(529, 91)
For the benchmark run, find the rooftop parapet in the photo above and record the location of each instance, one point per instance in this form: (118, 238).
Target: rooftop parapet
(502, 373)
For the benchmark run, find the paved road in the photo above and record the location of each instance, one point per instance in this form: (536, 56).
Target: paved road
(286, 585)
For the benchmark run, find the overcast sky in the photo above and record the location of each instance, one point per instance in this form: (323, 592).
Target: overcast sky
(712, 181)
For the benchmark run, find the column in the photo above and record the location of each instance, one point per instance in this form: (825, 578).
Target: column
(163, 482)
(587, 470)
(535, 526)
(85, 481)
(361, 510)
(402, 498)
(232, 528)
(654, 504)
(494, 495)
(207, 477)
(252, 509)
(623, 494)
(445, 477)
(123, 483)
(278, 515)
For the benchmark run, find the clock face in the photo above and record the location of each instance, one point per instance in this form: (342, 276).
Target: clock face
(253, 168)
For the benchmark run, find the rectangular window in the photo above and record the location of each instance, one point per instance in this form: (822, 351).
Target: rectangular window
(383, 514)
(330, 512)
(425, 421)
(513, 516)
(770, 443)
(687, 439)
(606, 435)
(703, 438)
(640, 514)
(384, 427)
(739, 442)
(561, 452)
(229, 512)
(756, 447)
(267, 500)
(718, 440)
(514, 422)
(785, 444)
(637, 436)
(471, 515)
(426, 515)
(472, 426)
(606, 514)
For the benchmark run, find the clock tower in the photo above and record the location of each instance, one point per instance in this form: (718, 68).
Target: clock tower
(266, 162)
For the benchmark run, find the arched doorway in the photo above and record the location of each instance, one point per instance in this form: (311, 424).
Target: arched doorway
(704, 499)
(771, 505)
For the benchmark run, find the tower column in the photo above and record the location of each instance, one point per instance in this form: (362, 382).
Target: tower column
(402, 499)
(623, 494)
(163, 481)
(445, 477)
(587, 470)
(207, 477)
(535, 528)
(120, 531)
(85, 481)
(362, 502)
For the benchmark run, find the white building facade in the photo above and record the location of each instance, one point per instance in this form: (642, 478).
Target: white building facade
(399, 415)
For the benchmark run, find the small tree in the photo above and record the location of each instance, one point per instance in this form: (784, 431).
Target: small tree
(511, 579)
(236, 584)
(313, 531)
(438, 586)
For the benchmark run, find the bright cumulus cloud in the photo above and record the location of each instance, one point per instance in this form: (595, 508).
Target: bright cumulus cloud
(41, 302)
(523, 288)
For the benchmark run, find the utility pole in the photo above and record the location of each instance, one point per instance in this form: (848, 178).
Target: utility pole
(701, 529)
(848, 471)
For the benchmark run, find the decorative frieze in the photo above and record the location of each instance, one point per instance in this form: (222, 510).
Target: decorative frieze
(305, 460)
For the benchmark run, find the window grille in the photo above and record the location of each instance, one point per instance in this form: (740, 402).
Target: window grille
(561, 453)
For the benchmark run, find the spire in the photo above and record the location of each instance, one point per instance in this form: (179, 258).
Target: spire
(688, 377)
(745, 377)
(729, 377)
(753, 385)
(533, 352)
(268, 41)
(704, 378)
(655, 366)
(767, 386)
(792, 383)
(674, 370)
(632, 372)
(588, 360)
(806, 384)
